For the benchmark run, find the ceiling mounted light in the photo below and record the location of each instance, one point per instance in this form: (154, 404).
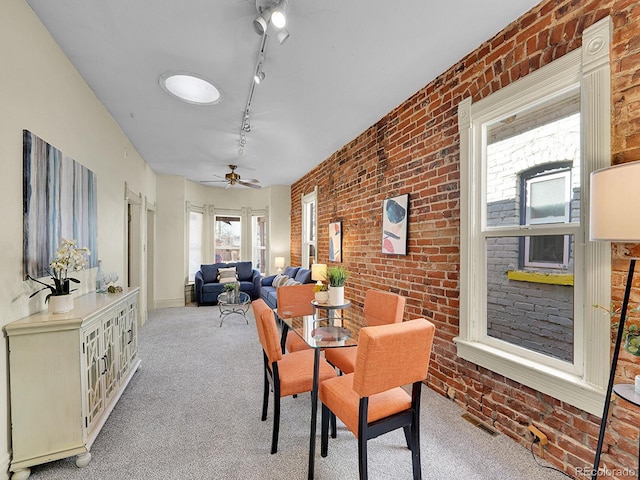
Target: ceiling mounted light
(279, 14)
(270, 11)
(190, 88)
(259, 76)
(282, 36)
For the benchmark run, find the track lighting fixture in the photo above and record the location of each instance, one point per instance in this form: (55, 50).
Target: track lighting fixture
(259, 76)
(272, 12)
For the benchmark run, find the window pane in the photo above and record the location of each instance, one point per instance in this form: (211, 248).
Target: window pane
(227, 238)
(547, 200)
(195, 243)
(259, 247)
(545, 135)
(534, 311)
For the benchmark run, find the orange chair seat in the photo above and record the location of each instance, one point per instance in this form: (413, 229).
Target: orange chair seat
(296, 372)
(338, 395)
(294, 343)
(342, 358)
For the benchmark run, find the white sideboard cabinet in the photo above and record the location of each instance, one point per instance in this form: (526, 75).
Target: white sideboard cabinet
(67, 372)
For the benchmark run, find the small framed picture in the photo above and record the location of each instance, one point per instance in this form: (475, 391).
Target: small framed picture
(335, 242)
(395, 217)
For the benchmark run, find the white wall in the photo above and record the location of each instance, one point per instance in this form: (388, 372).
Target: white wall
(41, 91)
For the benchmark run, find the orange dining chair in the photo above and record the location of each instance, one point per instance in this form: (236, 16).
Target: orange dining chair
(295, 301)
(370, 401)
(379, 308)
(287, 374)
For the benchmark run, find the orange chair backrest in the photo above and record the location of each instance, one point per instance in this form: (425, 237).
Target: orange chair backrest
(267, 330)
(392, 355)
(381, 307)
(295, 300)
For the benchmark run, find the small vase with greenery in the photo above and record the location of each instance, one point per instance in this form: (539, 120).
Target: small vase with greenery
(631, 331)
(337, 276)
(68, 258)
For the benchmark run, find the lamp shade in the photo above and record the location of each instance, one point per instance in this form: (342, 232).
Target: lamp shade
(279, 262)
(614, 211)
(318, 272)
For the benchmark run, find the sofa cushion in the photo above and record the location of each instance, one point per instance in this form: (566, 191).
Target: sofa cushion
(303, 276)
(279, 280)
(210, 272)
(245, 271)
(226, 275)
(291, 271)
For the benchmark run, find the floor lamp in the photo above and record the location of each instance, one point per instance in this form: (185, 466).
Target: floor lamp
(614, 216)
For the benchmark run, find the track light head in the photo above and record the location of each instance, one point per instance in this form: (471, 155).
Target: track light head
(260, 25)
(259, 76)
(282, 36)
(279, 14)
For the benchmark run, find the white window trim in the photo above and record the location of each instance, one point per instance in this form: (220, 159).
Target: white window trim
(585, 386)
(194, 208)
(307, 199)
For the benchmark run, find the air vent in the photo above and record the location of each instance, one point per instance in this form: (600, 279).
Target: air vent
(474, 421)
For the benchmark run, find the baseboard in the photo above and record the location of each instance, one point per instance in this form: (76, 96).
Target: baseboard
(171, 302)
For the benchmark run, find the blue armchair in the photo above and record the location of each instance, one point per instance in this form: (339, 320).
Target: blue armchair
(207, 287)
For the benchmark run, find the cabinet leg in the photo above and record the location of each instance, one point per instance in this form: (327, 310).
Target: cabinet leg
(21, 474)
(83, 460)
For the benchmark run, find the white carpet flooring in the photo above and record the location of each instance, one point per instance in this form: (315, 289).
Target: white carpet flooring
(192, 411)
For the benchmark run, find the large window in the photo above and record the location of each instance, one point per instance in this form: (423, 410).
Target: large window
(227, 238)
(259, 242)
(528, 279)
(309, 228)
(196, 218)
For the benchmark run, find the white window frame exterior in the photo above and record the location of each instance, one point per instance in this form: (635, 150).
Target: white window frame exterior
(583, 383)
(201, 211)
(254, 214)
(566, 175)
(309, 238)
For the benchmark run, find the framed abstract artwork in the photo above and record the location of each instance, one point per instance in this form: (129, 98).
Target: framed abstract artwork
(335, 242)
(60, 201)
(395, 218)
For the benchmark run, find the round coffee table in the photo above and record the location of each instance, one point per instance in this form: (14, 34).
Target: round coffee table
(237, 303)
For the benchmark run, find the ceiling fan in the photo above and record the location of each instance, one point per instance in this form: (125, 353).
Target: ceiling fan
(233, 178)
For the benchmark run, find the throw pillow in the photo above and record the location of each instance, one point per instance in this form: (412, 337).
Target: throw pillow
(279, 280)
(289, 282)
(226, 275)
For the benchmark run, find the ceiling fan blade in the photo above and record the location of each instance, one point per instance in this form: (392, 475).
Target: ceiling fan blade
(251, 180)
(251, 185)
(227, 186)
(213, 181)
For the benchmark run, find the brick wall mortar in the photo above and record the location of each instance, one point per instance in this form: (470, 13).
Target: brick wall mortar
(415, 149)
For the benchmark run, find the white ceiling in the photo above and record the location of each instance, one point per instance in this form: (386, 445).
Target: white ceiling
(346, 64)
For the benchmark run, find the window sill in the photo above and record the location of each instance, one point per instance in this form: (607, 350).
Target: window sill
(541, 277)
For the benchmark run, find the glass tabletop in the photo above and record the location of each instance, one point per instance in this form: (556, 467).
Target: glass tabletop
(326, 332)
(232, 298)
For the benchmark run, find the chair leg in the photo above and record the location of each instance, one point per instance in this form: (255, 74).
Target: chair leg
(334, 430)
(362, 458)
(407, 435)
(276, 423)
(324, 431)
(265, 394)
(415, 450)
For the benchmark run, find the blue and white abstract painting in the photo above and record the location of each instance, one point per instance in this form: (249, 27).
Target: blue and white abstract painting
(60, 201)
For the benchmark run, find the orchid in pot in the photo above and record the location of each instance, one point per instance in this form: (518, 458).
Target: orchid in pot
(68, 258)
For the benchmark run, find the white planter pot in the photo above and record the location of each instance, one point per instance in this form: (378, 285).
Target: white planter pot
(336, 295)
(322, 297)
(60, 303)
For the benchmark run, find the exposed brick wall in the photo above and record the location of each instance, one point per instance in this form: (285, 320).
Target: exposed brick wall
(415, 149)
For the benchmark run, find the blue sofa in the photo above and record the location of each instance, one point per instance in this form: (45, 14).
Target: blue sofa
(207, 287)
(268, 291)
